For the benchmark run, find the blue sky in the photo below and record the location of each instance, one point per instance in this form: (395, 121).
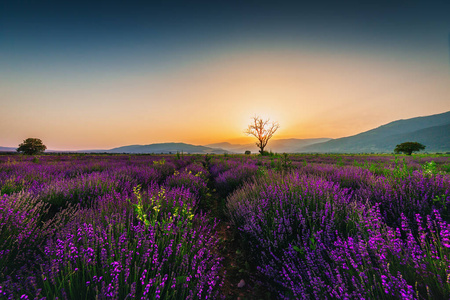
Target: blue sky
(99, 67)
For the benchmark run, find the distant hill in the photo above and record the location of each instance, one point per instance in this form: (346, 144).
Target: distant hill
(237, 148)
(293, 145)
(432, 131)
(14, 149)
(8, 149)
(436, 138)
(167, 148)
(279, 146)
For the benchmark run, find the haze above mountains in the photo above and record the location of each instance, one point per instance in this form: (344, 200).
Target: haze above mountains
(432, 131)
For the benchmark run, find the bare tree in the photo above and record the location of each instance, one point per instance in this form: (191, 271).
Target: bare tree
(262, 130)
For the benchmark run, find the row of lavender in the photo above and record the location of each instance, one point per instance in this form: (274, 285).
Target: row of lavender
(106, 227)
(131, 227)
(370, 228)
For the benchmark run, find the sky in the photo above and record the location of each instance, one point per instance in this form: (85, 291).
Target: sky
(82, 75)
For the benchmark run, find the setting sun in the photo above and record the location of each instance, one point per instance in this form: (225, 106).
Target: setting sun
(106, 88)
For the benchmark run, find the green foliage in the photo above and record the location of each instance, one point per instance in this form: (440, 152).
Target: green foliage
(269, 154)
(305, 163)
(272, 163)
(151, 212)
(161, 162)
(262, 171)
(357, 164)
(138, 207)
(445, 168)
(284, 164)
(31, 146)
(429, 168)
(409, 147)
(400, 170)
(441, 201)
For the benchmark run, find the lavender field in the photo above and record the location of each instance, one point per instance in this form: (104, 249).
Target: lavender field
(195, 226)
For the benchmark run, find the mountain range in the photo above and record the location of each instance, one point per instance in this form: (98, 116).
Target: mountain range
(7, 149)
(167, 148)
(280, 146)
(432, 131)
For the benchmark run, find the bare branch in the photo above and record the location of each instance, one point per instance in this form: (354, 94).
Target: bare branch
(262, 130)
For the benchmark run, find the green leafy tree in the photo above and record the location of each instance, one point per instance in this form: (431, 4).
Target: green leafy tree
(409, 147)
(31, 146)
(263, 131)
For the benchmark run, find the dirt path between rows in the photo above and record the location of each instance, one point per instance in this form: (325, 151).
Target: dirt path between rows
(238, 280)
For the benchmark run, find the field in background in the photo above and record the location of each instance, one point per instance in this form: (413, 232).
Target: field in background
(223, 226)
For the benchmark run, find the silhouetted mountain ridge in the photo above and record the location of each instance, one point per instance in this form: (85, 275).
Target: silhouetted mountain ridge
(167, 148)
(432, 131)
(276, 145)
(8, 149)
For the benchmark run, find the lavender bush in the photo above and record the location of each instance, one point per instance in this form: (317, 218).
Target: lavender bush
(347, 232)
(283, 217)
(145, 227)
(106, 228)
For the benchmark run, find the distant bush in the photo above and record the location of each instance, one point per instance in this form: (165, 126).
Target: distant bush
(409, 147)
(31, 146)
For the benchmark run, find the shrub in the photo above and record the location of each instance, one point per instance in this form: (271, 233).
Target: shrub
(195, 183)
(304, 214)
(231, 179)
(31, 146)
(20, 235)
(113, 259)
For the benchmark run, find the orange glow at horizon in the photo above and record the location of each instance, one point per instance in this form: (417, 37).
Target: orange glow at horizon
(311, 95)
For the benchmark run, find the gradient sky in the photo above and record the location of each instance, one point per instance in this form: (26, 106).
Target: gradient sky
(96, 76)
